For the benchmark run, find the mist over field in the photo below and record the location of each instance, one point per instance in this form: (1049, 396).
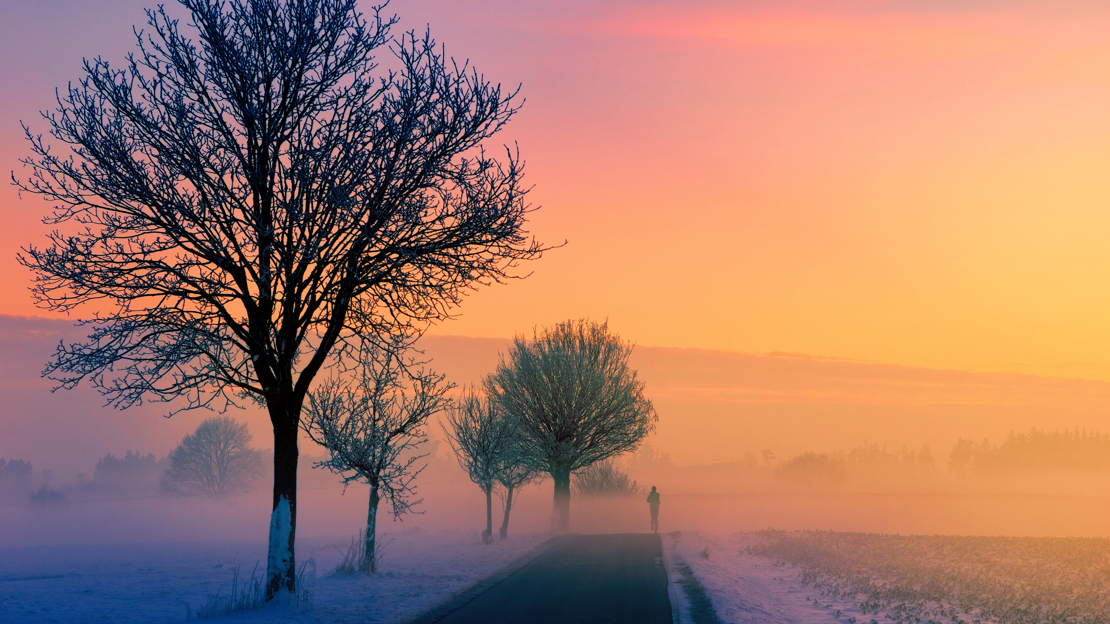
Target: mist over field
(744, 442)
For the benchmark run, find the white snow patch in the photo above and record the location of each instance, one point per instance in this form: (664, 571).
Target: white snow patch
(280, 526)
(152, 583)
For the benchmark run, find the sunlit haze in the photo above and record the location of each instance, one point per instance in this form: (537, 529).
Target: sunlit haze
(860, 249)
(913, 183)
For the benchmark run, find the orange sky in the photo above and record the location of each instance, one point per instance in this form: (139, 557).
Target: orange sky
(910, 182)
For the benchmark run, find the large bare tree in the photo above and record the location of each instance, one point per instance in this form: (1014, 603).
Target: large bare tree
(577, 399)
(373, 430)
(250, 198)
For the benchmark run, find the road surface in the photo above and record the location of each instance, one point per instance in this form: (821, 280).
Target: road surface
(585, 578)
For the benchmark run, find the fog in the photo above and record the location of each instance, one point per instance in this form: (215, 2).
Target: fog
(743, 442)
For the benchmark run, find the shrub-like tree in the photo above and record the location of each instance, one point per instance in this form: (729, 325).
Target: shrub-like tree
(215, 460)
(577, 400)
(480, 433)
(244, 202)
(603, 478)
(374, 429)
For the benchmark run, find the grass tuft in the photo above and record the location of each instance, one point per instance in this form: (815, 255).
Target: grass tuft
(354, 560)
(251, 594)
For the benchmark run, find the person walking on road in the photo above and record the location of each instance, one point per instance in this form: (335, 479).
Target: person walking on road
(653, 504)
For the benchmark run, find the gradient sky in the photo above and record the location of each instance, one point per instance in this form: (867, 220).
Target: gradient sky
(919, 183)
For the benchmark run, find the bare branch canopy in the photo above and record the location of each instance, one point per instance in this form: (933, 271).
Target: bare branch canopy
(250, 197)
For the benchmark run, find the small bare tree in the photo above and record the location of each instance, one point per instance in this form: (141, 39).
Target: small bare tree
(515, 470)
(577, 400)
(214, 461)
(375, 429)
(480, 434)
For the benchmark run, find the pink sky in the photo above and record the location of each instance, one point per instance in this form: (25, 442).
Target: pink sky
(913, 183)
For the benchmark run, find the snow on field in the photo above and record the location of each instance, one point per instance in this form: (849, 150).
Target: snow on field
(750, 589)
(153, 583)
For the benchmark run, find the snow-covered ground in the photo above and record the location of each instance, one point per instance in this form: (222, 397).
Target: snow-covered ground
(154, 583)
(746, 588)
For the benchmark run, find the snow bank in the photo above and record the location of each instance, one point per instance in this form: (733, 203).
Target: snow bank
(153, 583)
(750, 589)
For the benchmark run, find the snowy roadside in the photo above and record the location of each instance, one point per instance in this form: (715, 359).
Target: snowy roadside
(125, 584)
(748, 588)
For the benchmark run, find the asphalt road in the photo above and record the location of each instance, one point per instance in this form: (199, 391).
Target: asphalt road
(585, 578)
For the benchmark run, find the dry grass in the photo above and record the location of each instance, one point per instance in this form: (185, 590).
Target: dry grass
(251, 594)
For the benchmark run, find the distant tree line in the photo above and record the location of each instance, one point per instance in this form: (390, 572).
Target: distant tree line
(15, 476)
(1037, 450)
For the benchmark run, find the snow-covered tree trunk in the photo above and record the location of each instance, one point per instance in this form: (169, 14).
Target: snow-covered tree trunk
(560, 517)
(508, 507)
(280, 564)
(371, 555)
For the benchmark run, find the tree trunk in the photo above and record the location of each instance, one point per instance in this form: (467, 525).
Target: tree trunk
(370, 555)
(280, 562)
(560, 517)
(508, 507)
(487, 535)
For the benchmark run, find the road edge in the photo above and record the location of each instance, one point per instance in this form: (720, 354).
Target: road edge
(461, 598)
(680, 606)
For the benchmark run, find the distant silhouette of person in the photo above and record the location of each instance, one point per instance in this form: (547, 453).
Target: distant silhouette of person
(653, 504)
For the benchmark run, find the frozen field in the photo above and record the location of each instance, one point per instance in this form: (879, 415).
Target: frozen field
(857, 578)
(153, 583)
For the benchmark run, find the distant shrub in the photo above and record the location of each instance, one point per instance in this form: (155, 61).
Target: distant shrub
(604, 479)
(813, 469)
(47, 496)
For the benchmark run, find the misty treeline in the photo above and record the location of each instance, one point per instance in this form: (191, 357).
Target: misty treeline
(1039, 454)
(16, 477)
(869, 459)
(1037, 450)
(214, 461)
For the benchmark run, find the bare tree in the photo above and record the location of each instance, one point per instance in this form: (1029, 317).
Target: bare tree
(480, 433)
(215, 460)
(241, 205)
(577, 400)
(375, 429)
(514, 471)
